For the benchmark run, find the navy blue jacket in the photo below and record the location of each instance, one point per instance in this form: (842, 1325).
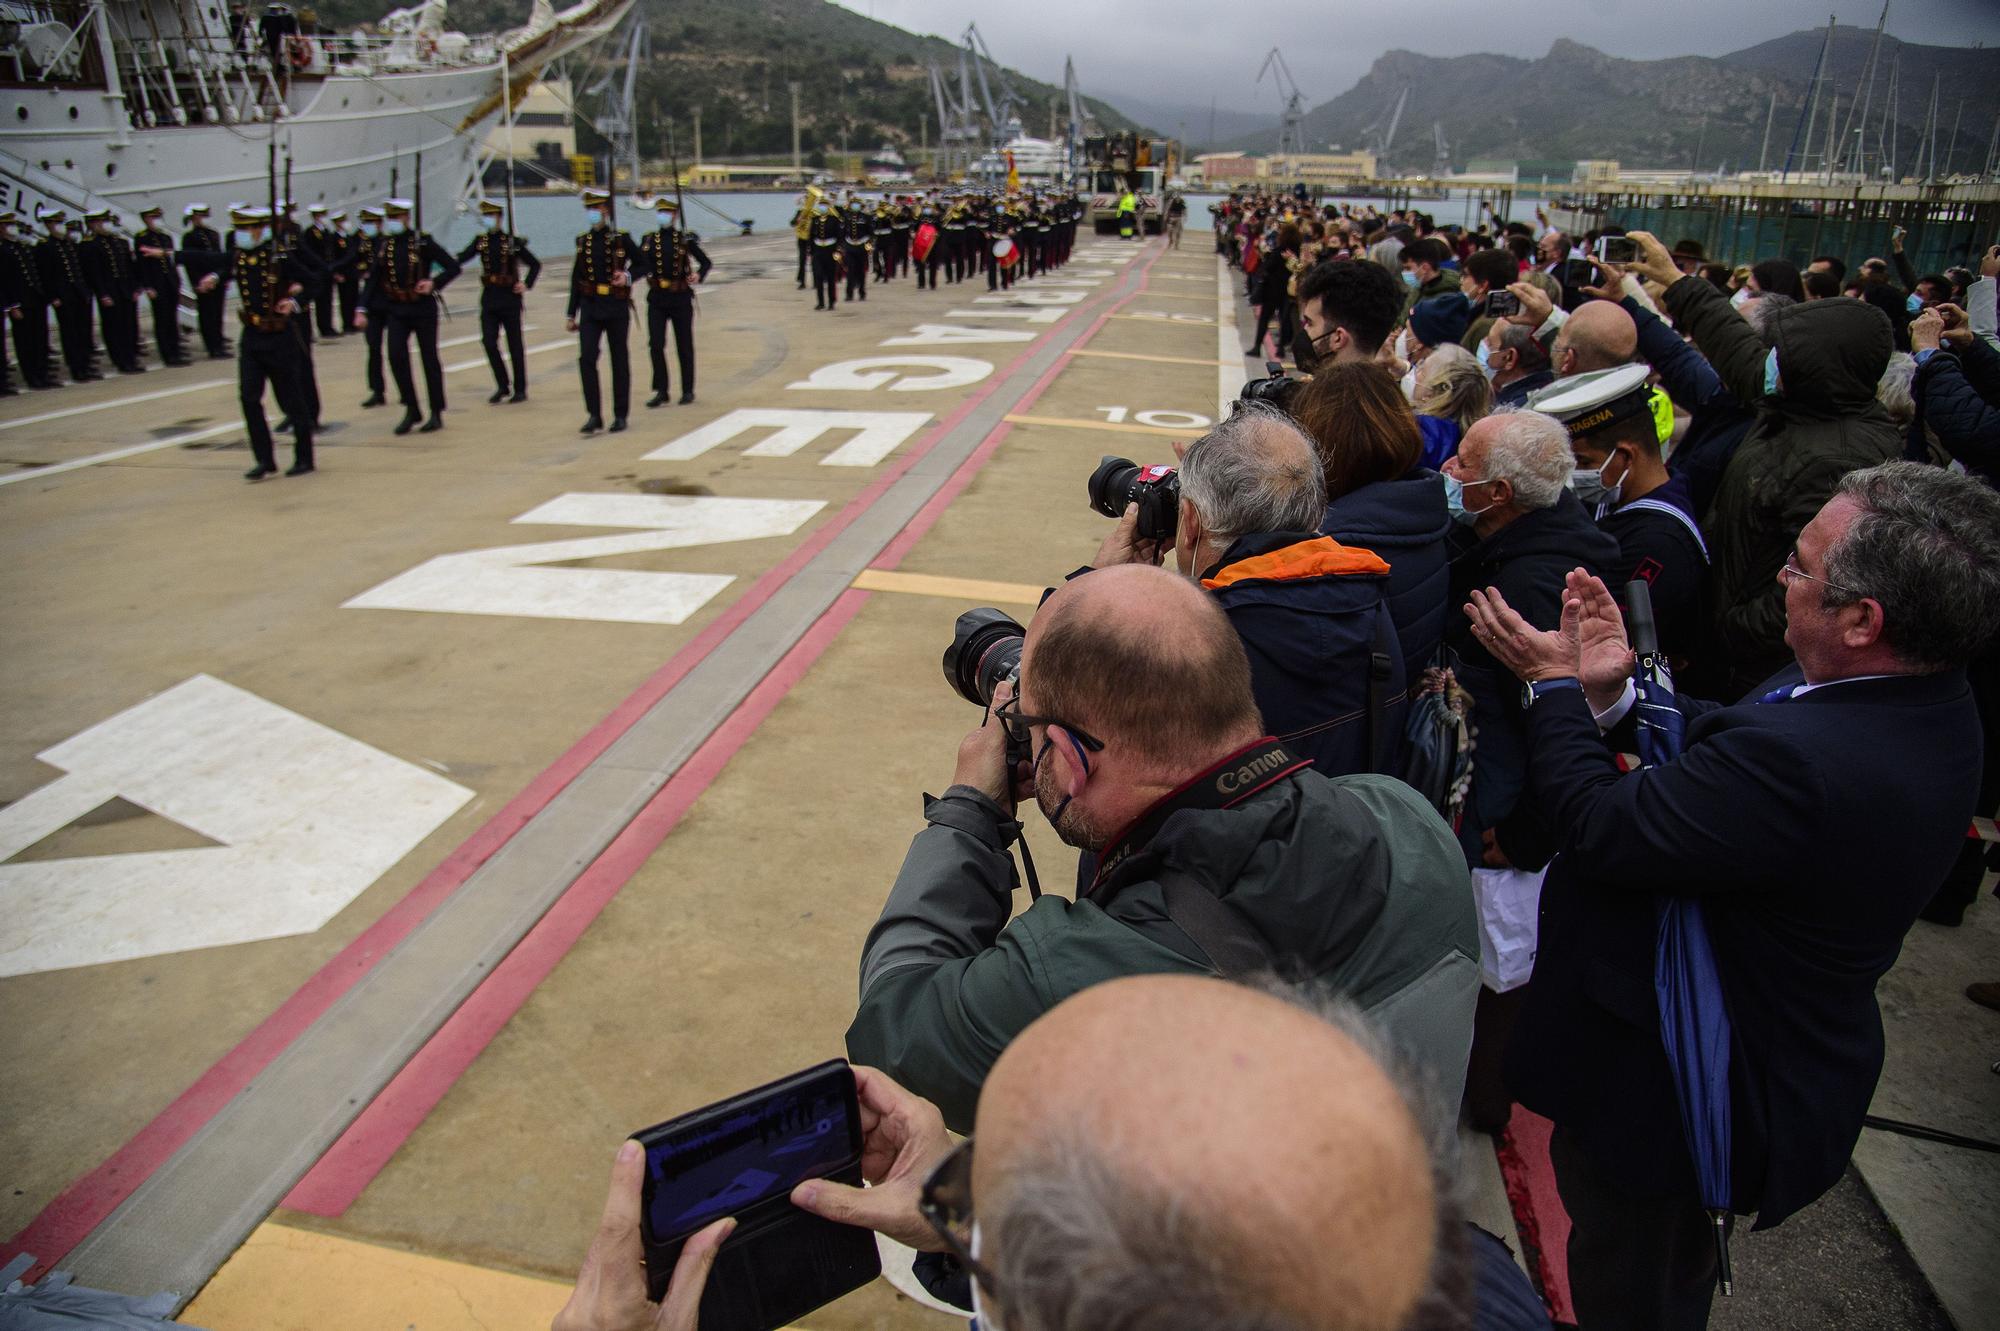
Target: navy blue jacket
(1527, 560)
(1813, 831)
(1516, 393)
(1306, 609)
(1406, 522)
(1717, 422)
(1958, 395)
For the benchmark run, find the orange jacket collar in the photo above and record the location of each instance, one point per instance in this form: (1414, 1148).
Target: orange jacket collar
(1320, 557)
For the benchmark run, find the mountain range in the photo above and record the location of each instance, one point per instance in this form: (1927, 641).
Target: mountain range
(1677, 113)
(862, 83)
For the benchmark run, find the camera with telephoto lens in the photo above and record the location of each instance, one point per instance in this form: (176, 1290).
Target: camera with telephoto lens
(1118, 482)
(1277, 388)
(985, 650)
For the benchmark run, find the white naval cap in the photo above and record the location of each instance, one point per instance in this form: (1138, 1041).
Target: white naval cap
(1597, 400)
(194, 208)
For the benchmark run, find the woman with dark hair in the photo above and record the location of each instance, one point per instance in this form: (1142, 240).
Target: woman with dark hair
(1775, 277)
(1379, 498)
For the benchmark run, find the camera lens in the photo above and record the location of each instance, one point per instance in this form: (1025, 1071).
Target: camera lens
(1111, 485)
(985, 649)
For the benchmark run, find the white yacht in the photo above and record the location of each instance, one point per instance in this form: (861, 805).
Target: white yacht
(124, 103)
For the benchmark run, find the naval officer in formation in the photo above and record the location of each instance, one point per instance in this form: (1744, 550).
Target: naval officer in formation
(271, 347)
(674, 264)
(408, 271)
(507, 271)
(600, 309)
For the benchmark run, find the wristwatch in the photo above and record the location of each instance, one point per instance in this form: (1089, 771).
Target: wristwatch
(1541, 687)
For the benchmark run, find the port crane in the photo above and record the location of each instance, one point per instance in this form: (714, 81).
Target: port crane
(617, 121)
(1292, 116)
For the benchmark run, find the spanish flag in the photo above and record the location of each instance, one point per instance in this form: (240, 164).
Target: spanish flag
(1013, 176)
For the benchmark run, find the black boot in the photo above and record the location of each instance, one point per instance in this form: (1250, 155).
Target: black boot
(657, 400)
(499, 395)
(520, 395)
(592, 426)
(433, 425)
(409, 422)
(299, 469)
(618, 425)
(687, 397)
(376, 400)
(259, 472)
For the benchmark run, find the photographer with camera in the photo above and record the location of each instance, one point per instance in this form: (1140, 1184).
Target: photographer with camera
(1134, 728)
(1326, 671)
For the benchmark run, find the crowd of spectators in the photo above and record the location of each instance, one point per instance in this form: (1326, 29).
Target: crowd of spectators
(1495, 435)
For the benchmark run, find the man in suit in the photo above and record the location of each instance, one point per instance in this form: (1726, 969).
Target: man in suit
(1812, 822)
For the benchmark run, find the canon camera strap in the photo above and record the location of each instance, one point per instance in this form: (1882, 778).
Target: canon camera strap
(1223, 786)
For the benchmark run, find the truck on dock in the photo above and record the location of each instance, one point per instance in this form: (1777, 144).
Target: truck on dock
(1118, 162)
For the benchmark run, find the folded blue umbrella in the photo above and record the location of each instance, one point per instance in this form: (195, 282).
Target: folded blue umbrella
(1694, 1012)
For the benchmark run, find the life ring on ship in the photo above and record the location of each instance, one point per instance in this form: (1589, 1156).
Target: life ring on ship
(299, 50)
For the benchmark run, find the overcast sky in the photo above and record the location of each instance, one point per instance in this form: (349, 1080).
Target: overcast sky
(1187, 51)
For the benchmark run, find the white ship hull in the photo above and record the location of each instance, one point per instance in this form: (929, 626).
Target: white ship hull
(351, 137)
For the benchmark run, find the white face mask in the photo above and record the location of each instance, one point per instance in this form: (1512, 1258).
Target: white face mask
(1742, 297)
(493, 223)
(1409, 384)
(666, 220)
(396, 226)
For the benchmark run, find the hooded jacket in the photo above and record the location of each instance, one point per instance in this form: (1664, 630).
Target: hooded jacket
(1527, 560)
(1716, 421)
(1352, 881)
(1306, 609)
(1822, 423)
(1405, 521)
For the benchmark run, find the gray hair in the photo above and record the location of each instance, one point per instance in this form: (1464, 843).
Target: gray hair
(1926, 546)
(1521, 339)
(1075, 1246)
(1893, 389)
(1255, 472)
(1758, 313)
(1450, 384)
(1531, 452)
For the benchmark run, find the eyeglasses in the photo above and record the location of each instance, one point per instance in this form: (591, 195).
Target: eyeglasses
(945, 1202)
(1017, 723)
(1792, 570)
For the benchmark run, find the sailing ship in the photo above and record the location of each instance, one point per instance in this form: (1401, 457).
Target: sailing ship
(122, 104)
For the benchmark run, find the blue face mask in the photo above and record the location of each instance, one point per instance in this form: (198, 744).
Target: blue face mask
(1485, 354)
(1915, 304)
(248, 240)
(1772, 384)
(1410, 278)
(1454, 500)
(396, 227)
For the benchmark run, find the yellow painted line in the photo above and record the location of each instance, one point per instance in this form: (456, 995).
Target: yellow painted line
(1134, 355)
(957, 589)
(1067, 423)
(1170, 319)
(288, 1279)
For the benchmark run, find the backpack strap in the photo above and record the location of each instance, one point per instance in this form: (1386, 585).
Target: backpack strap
(1233, 947)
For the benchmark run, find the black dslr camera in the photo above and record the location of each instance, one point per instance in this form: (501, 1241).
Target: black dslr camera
(1156, 490)
(985, 650)
(1277, 388)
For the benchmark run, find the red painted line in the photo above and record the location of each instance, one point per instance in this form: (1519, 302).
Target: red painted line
(343, 1172)
(338, 1178)
(87, 1201)
(1538, 1210)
